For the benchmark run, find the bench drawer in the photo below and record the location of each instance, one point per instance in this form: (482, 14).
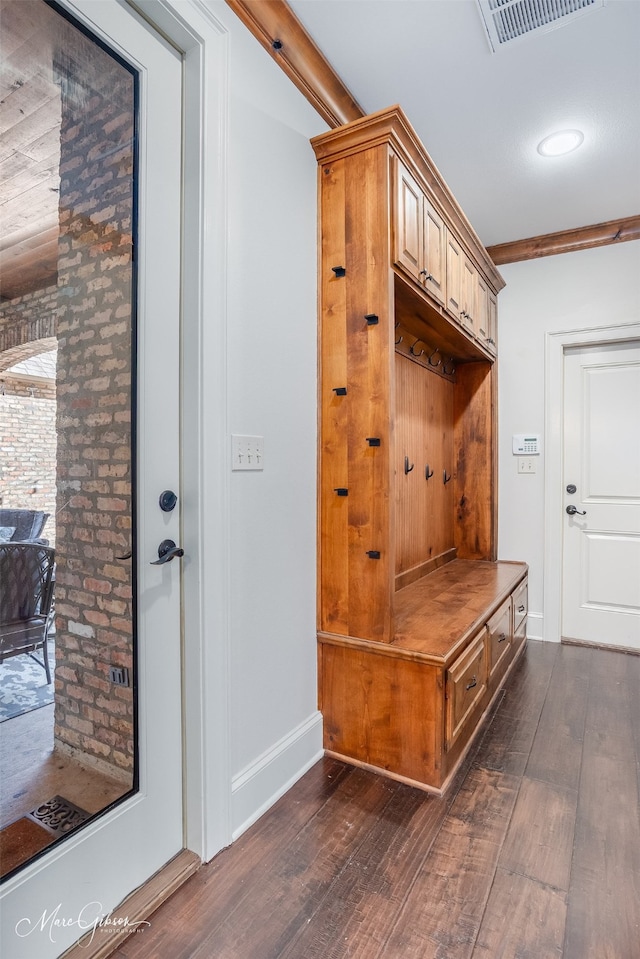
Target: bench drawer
(499, 640)
(466, 684)
(520, 604)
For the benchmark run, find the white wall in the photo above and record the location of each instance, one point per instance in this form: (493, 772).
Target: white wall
(573, 291)
(275, 729)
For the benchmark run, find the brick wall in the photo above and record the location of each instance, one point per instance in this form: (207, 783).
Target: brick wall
(28, 449)
(27, 325)
(93, 588)
(28, 407)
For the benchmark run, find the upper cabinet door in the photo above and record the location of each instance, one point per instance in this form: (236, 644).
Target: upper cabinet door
(454, 277)
(482, 318)
(409, 238)
(434, 266)
(492, 322)
(469, 303)
(426, 248)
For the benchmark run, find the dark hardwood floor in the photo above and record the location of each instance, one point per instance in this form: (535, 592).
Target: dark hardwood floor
(533, 854)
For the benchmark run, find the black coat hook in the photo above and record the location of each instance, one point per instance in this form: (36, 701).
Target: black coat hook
(427, 472)
(445, 478)
(411, 349)
(407, 468)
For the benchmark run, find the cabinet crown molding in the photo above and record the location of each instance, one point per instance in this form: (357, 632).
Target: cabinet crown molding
(392, 127)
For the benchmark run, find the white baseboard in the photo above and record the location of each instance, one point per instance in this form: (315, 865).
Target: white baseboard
(257, 787)
(535, 626)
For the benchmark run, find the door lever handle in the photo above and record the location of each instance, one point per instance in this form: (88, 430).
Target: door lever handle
(572, 510)
(167, 550)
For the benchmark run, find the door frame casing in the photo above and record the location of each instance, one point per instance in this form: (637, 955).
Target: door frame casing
(192, 247)
(555, 345)
(203, 40)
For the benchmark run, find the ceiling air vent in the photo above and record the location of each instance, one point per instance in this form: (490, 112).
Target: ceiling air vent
(507, 20)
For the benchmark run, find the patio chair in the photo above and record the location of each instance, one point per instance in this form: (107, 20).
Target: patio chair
(26, 525)
(26, 595)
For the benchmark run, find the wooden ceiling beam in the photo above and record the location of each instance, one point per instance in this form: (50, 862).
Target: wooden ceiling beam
(276, 26)
(566, 241)
(30, 265)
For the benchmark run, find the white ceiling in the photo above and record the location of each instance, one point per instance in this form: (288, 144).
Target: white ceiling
(481, 115)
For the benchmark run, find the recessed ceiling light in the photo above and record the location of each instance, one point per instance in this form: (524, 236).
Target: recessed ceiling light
(557, 144)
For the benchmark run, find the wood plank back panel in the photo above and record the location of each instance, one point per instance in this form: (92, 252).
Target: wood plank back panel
(424, 434)
(410, 442)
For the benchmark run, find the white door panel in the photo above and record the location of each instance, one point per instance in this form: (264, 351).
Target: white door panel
(611, 433)
(611, 564)
(601, 542)
(44, 906)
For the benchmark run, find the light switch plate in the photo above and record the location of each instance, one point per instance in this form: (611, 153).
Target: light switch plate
(526, 464)
(247, 452)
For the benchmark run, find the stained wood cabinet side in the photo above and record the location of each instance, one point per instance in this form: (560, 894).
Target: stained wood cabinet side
(356, 561)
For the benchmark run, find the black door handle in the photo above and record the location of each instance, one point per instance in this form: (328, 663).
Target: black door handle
(167, 550)
(572, 510)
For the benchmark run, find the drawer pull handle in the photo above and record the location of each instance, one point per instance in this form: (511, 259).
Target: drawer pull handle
(503, 636)
(474, 682)
(521, 609)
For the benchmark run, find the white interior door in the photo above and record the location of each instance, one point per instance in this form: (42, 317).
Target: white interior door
(601, 539)
(50, 904)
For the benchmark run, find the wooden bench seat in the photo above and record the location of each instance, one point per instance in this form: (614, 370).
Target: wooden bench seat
(437, 615)
(411, 708)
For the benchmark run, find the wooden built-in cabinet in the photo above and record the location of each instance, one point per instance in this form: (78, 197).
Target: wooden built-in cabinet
(418, 623)
(431, 254)
(419, 236)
